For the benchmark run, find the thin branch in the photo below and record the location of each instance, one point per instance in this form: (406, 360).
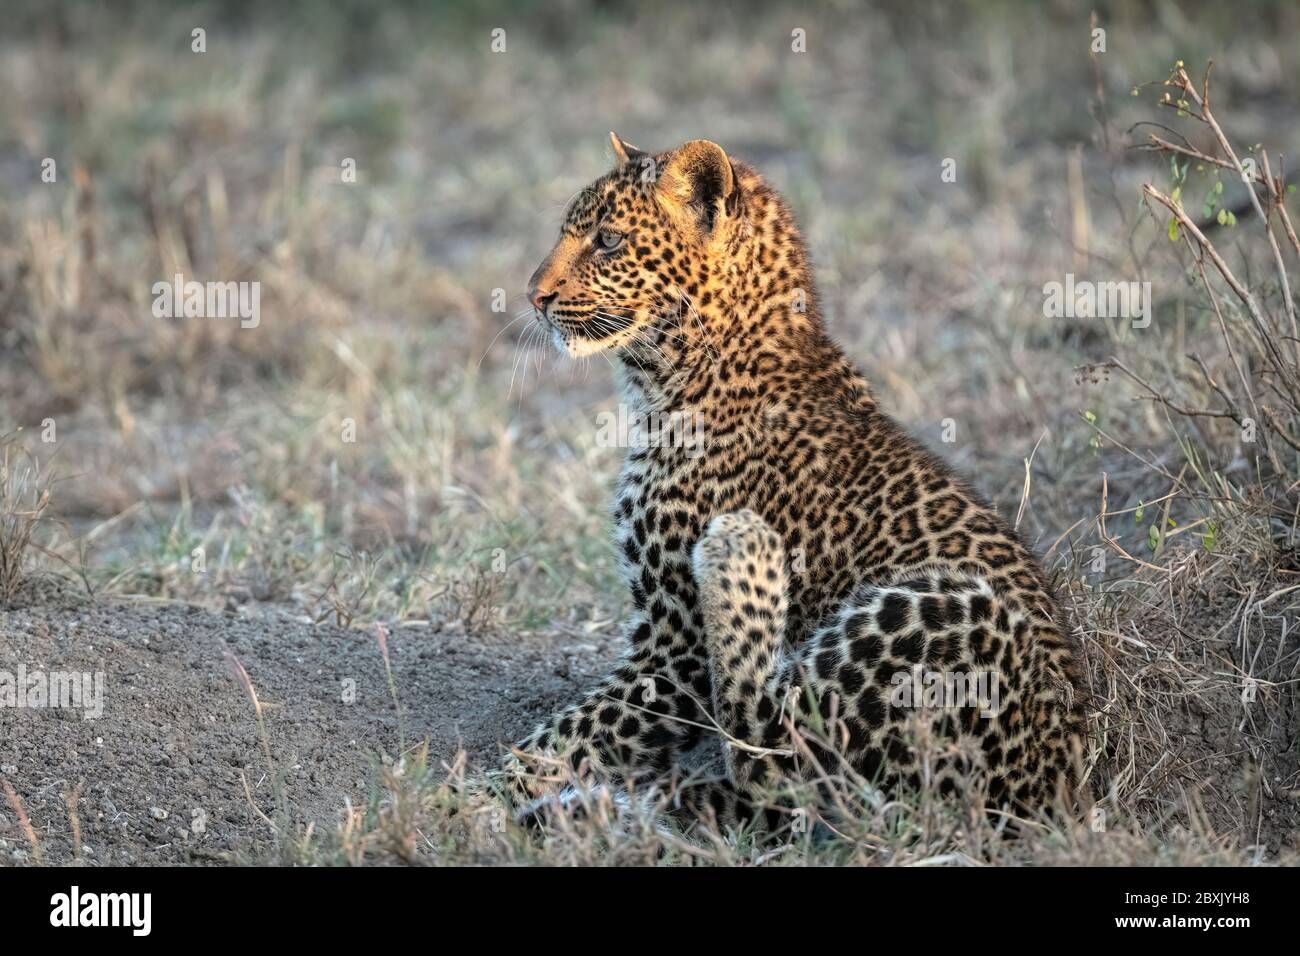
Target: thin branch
(1203, 103)
(1239, 290)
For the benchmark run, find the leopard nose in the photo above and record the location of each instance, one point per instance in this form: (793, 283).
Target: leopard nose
(541, 298)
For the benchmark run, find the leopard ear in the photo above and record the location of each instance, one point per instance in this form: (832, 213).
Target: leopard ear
(699, 177)
(624, 151)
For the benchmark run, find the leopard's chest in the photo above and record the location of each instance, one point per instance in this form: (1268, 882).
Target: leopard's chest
(662, 504)
(658, 515)
(665, 498)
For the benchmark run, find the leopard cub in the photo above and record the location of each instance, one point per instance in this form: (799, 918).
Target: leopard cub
(806, 565)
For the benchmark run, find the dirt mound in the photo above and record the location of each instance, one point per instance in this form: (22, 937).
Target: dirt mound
(159, 768)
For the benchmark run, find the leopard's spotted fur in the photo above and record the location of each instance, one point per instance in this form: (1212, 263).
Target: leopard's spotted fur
(807, 541)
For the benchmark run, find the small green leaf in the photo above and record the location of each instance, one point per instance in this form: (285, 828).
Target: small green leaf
(1173, 229)
(1141, 510)
(1223, 216)
(1153, 538)
(1208, 539)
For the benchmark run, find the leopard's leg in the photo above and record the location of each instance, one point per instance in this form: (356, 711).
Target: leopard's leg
(999, 713)
(643, 719)
(845, 672)
(741, 577)
(631, 725)
(653, 707)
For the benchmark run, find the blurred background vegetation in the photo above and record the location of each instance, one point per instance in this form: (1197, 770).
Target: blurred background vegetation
(378, 295)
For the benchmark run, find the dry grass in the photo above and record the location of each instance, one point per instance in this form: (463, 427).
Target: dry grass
(210, 463)
(24, 498)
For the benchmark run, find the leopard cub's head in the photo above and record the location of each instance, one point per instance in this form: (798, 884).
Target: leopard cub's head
(639, 248)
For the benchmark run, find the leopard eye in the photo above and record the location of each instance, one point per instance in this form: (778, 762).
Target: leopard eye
(608, 240)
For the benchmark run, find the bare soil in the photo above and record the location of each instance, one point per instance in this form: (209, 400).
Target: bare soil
(178, 727)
